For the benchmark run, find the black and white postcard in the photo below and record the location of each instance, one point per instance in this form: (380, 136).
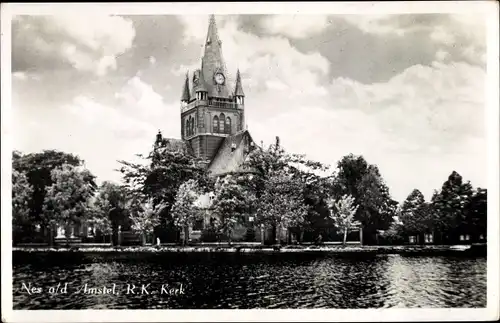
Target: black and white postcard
(292, 161)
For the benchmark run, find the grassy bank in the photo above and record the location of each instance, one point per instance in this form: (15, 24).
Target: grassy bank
(477, 249)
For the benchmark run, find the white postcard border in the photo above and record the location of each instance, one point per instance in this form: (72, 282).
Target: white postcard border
(489, 8)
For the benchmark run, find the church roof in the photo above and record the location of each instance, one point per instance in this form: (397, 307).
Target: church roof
(213, 62)
(231, 155)
(173, 145)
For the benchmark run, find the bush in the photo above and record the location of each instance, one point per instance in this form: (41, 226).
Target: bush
(250, 235)
(208, 235)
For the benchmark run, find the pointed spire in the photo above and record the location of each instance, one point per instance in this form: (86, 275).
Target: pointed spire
(213, 62)
(185, 90)
(238, 89)
(200, 85)
(212, 36)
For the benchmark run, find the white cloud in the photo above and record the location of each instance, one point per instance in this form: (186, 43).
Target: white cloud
(295, 26)
(183, 69)
(270, 58)
(417, 127)
(19, 75)
(404, 125)
(268, 64)
(377, 24)
(465, 31)
(140, 98)
(88, 42)
(443, 35)
(442, 55)
(105, 117)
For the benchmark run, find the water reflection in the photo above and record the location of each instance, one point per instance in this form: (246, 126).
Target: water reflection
(254, 281)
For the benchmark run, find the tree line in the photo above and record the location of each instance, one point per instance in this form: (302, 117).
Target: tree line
(281, 192)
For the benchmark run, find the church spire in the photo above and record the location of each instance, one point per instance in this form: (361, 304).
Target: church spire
(213, 63)
(212, 35)
(238, 91)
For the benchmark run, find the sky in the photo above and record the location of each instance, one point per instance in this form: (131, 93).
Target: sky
(405, 91)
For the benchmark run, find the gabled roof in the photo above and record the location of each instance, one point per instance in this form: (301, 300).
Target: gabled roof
(231, 155)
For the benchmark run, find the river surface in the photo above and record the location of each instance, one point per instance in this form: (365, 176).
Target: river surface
(225, 281)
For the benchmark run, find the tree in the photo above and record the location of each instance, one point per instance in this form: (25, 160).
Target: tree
(184, 212)
(110, 209)
(144, 216)
(22, 193)
(267, 166)
(395, 234)
(476, 209)
(281, 204)
(67, 201)
(364, 183)
(450, 206)
(342, 213)
(99, 216)
(38, 169)
(160, 174)
(230, 204)
(416, 215)
(409, 215)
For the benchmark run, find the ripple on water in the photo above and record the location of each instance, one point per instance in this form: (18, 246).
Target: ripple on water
(258, 281)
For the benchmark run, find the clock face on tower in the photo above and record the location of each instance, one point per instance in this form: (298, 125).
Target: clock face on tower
(219, 78)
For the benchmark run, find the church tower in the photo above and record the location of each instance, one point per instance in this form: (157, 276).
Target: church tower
(212, 109)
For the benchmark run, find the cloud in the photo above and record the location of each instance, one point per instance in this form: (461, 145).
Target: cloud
(102, 116)
(463, 36)
(295, 26)
(377, 24)
(442, 55)
(270, 60)
(19, 75)
(404, 125)
(418, 124)
(85, 42)
(425, 104)
(140, 98)
(270, 66)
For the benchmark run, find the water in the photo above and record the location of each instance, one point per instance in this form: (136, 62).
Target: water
(228, 281)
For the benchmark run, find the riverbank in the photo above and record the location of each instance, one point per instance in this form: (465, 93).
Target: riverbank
(475, 249)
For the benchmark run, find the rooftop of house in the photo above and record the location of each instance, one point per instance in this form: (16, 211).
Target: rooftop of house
(231, 155)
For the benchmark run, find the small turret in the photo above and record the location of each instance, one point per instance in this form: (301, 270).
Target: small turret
(238, 89)
(199, 87)
(185, 97)
(159, 139)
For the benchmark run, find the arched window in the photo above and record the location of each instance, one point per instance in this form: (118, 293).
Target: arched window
(228, 125)
(222, 120)
(215, 125)
(186, 130)
(192, 126)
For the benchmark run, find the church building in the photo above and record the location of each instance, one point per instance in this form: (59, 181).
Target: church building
(212, 117)
(213, 111)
